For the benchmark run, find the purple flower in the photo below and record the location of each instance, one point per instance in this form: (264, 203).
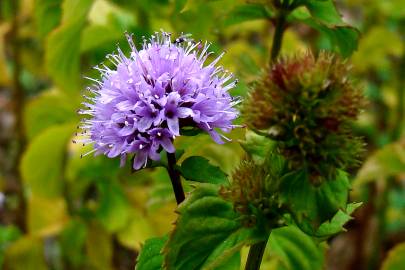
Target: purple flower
(141, 104)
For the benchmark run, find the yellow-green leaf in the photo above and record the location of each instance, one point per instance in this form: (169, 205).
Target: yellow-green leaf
(42, 163)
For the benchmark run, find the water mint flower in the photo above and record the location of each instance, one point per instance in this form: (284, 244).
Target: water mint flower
(140, 106)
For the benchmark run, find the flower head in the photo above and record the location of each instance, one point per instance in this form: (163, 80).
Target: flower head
(141, 104)
(307, 105)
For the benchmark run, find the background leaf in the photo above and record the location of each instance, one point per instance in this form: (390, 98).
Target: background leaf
(42, 173)
(47, 15)
(395, 259)
(49, 109)
(62, 56)
(387, 161)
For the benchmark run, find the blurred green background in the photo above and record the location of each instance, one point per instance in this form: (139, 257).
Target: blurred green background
(58, 211)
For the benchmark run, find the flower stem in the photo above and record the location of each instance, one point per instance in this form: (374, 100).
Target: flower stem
(175, 178)
(278, 35)
(255, 256)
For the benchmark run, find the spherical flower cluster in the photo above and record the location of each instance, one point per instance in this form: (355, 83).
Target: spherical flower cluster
(141, 105)
(253, 190)
(308, 104)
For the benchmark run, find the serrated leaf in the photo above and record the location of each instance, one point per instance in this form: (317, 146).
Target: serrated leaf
(199, 169)
(208, 233)
(42, 162)
(295, 249)
(313, 205)
(247, 12)
(62, 52)
(395, 259)
(335, 225)
(151, 257)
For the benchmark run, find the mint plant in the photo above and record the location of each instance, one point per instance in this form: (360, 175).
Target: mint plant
(293, 180)
(294, 172)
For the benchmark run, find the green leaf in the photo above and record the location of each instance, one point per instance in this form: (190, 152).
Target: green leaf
(151, 257)
(343, 38)
(313, 205)
(257, 146)
(335, 225)
(48, 109)
(247, 12)
(107, 23)
(62, 52)
(42, 163)
(295, 249)
(47, 15)
(114, 208)
(323, 16)
(25, 253)
(199, 169)
(8, 234)
(373, 54)
(99, 248)
(46, 216)
(208, 233)
(395, 259)
(137, 229)
(324, 11)
(96, 35)
(385, 162)
(179, 5)
(73, 240)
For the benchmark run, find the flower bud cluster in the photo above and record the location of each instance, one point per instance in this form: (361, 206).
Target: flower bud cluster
(308, 104)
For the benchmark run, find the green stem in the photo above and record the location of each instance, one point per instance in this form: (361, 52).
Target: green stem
(175, 178)
(255, 256)
(278, 35)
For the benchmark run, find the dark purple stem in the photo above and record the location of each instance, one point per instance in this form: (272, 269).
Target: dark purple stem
(175, 178)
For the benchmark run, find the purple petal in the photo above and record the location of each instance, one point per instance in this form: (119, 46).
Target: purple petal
(215, 136)
(167, 145)
(125, 105)
(115, 151)
(123, 160)
(140, 160)
(173, 124)
(154, 155)
(126, 130)
(144, 123)
(183, 112)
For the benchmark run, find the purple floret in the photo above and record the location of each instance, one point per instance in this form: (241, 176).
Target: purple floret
(141, 105)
